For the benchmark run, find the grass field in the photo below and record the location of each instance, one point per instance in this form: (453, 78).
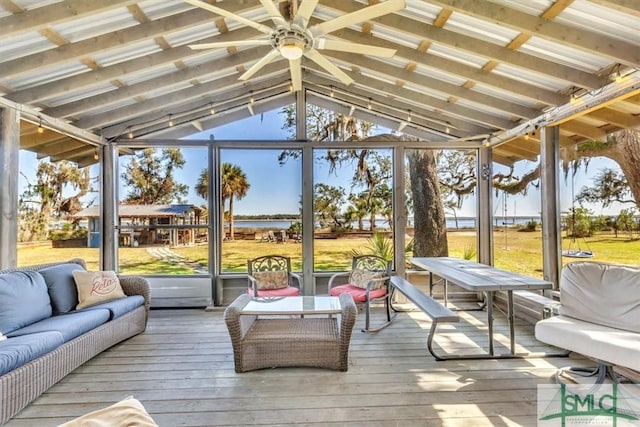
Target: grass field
(515, 251)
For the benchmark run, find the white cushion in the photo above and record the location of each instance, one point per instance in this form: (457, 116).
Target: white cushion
(605, 294)
(615, 346)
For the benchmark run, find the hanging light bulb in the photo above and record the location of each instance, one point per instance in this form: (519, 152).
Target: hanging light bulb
(448, 129)
(331, 92)
(211, 109)
(170, 121)
(96, 156)
(369, 104)
(409, 117)
(251, 100)
(130, 132)
(290, 88)
(40, 128)
(526, 136)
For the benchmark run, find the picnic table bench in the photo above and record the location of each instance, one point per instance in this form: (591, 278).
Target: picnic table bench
(432, 308)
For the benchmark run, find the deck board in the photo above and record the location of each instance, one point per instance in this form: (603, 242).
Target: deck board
(181, 368)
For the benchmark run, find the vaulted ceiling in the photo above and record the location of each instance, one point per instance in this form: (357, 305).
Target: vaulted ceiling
(463, 72)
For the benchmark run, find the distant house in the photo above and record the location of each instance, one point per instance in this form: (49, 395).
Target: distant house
(145, 217)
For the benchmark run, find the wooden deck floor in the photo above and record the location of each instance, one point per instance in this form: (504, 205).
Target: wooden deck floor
(181, 368)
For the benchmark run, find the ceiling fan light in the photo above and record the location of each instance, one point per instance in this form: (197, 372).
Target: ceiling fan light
(291, 51)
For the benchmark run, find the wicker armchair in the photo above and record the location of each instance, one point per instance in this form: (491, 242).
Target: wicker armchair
(367, 281)
(317, 342)
(271, 276)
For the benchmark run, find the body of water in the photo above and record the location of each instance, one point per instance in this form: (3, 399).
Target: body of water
(463, 222)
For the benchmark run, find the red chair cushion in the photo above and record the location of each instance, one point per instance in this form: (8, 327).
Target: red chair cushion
(358, 294)
(289, 291)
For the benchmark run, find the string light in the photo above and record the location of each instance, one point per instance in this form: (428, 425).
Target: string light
(40, 128)
(448, 129)
(170, 121)
(369, 104)
(526, 136)
(331, 92)
(130, 132)
(251, 100)
(211, 109)
(409, 117)
(96, 156)
(290, 88)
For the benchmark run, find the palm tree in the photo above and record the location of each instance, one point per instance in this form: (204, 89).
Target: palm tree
(234, 185)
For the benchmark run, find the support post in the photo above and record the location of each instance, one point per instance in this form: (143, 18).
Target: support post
(484, 172)
(550, 193)
(109, 206)
(399, 211)
(10, 167)
(308, 281)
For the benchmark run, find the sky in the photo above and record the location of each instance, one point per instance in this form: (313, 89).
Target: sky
(276, 189)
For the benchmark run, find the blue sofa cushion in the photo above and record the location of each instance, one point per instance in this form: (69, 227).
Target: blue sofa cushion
(118, 307)
(70, 325)
(15, 352)
(23, 300)
(62, 287)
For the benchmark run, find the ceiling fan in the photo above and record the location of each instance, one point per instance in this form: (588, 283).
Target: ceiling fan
(293, 39)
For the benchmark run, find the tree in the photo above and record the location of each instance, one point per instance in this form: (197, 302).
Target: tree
(623, 147)
(46, 200)
(234, 186)
(608, 187)
(327, 204)
(149, 176)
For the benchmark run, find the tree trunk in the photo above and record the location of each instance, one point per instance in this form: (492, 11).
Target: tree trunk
(626, 151)
(231, 225)
(430, 228)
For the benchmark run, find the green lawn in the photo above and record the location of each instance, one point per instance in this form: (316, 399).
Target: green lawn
(513, 250)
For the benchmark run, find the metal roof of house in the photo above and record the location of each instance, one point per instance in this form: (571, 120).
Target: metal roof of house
(465, 71)
(141, 211)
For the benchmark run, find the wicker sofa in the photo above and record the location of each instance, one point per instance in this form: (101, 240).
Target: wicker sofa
(34, 361)
(317, 342)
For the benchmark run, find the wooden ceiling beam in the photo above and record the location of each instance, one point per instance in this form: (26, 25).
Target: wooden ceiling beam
(453, 110)
(616, 118)
(535, 93)
(398, 108)
(167, 81)
(61, 147)
(117, 39)
(440, 86)
(119, 70)
(57, 13)
(615, 49)
(477, 47)
(582, 129)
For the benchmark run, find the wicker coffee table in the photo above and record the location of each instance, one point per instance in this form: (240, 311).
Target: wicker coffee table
(291, 331)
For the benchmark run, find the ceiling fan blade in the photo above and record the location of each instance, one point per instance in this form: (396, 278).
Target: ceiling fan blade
(358, 16)
(364, 49)
(230, 15)
(273, 12)
(258, 65)
(257, 42)
(304, 12)
(332, 69)
(295, 66)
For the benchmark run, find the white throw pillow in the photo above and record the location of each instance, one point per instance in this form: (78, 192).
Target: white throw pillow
(95, 287)
(126, 413)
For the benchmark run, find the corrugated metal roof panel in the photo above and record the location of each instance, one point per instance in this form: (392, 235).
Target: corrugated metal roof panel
(531, 77)
(95, 24)
(566, 55)
(46, 75)
(22, 45)
(124, 53)
(485, 108)
(34, 4)
(155, 9)
(422, 11)
(457, 55)
(148, 73)
(440, 75)
(104, 108)
(502, 94)
(480, 29)
(603, 20)
(73, 95)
